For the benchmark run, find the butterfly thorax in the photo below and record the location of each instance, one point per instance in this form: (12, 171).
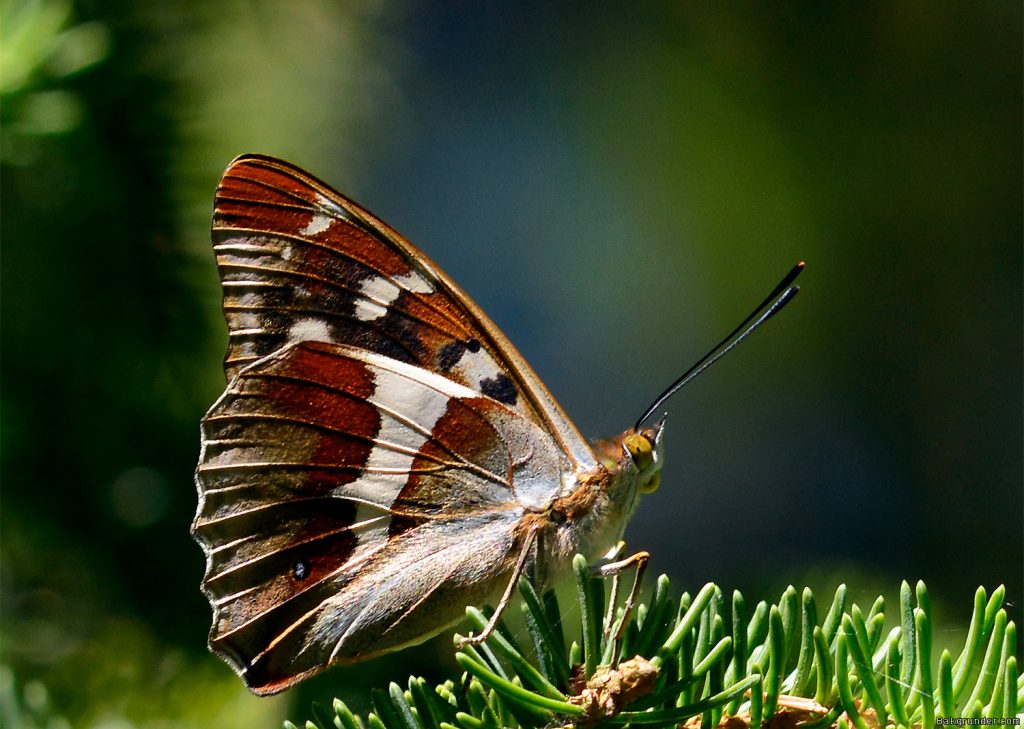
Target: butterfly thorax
(591, 518)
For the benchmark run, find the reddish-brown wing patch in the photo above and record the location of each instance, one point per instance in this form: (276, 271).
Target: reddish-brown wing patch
(304, 462)
(277, 448)
(466, 428)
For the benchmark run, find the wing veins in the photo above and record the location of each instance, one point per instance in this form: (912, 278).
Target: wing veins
(212, 578)
(338, 253)
(347, 497)
(469, 466)
(339, 212)
(387, 445)
(355, 621)
(352, 563)
(284, 192)
(242, 283)
(297, 466)
(225, 197)
(265, 508)
(293, 273)
(324, 314)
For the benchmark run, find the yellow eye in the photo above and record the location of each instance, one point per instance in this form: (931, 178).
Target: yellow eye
(640, 450)
(651, 486)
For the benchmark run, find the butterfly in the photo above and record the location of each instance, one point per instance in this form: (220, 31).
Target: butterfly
(382, 455)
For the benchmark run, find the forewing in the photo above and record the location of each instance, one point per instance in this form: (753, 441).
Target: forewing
(318, 460)
(300, 262)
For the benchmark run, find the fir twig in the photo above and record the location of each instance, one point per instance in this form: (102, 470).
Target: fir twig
(688, 667)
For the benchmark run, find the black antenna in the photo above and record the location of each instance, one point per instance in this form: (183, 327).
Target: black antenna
(772, 305)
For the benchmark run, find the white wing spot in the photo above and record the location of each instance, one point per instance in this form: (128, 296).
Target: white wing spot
(418, 403)
(415, 283)
(380, 289)
(318, 224)
(310, 330)
(369, 311)
(380, 294)
(386, 467)
(475, 367)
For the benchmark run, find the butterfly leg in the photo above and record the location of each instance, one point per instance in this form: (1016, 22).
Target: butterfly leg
(517, 572)
(595, 571)
(613, 570)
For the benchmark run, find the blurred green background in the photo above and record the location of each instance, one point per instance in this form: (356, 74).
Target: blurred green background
(616, 186)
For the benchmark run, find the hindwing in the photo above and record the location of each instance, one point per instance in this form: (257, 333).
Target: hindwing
(321, 462)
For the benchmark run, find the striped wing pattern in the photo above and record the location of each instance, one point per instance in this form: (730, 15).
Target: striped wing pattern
(364, 473)
(325, 468)
(299, 262)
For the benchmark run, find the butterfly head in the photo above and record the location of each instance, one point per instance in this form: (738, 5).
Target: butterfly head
(595, 513)
(645, 449)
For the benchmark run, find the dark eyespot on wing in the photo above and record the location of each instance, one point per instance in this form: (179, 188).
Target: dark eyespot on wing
(499, 387)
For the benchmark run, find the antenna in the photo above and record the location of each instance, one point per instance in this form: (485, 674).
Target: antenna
(781, 295)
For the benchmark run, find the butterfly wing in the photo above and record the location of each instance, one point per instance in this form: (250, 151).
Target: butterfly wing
(350, 504)
(363, 476)
(299, 261)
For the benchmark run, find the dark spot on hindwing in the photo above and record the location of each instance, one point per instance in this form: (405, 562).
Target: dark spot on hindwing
(311, 540)
(499, 387)
(473, 345)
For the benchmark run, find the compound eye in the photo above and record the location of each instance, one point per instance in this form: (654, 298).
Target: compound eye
(640, 450)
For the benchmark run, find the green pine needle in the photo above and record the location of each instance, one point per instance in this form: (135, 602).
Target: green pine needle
(703, 657)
